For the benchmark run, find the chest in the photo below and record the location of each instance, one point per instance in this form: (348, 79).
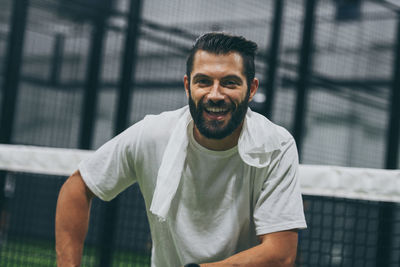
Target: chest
(210, 184)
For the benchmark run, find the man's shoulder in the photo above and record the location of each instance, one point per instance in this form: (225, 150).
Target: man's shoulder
(261, 140)
(268, 127)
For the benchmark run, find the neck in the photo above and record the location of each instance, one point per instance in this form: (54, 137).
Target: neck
(218, 144)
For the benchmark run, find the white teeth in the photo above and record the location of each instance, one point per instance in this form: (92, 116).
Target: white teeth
(216, 110)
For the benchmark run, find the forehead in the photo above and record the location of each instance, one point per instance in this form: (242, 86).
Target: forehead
(217, 64)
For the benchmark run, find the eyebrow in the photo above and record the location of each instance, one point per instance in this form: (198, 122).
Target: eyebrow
(228, 77)
(200, 76)
(233, 77)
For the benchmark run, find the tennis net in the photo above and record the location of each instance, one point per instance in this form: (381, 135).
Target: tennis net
(353, 214)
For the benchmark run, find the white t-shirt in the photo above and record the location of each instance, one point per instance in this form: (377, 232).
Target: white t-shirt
(222, 199)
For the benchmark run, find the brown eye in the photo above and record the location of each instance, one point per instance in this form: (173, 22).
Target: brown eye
(204, 82)
(229, 83)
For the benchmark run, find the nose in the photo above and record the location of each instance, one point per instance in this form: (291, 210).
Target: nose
(215, 94)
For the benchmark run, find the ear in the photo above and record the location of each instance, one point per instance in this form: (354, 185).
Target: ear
(253, 88)
(186, 84)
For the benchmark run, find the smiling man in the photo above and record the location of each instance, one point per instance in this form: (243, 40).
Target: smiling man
(219, 180)
(219, 97)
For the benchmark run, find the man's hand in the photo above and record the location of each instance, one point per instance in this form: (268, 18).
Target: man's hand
(276, 250)
(72, 219)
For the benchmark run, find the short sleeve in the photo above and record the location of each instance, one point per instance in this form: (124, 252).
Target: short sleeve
(279, 205)
(111, 169)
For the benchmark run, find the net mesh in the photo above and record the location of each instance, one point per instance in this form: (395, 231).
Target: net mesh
(33, 177)
(342, 206)
(348, 91)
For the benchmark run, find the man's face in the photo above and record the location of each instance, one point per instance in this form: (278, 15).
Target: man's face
(218, 93)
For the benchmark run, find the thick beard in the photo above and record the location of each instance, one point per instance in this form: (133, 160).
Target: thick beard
(215, 129)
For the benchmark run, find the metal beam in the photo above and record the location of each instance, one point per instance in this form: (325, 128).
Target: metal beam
(127, 79)
(273, 58)
(392, 145)
(92, 83)
(386, 210)
(304, 70)
(129, 60)
(57, 59)
(12, 68)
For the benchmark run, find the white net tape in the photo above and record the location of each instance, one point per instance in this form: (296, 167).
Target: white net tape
(44, 160)
(330, 181)
(354, 183)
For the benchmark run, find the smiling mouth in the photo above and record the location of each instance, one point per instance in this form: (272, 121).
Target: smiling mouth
(216, 110)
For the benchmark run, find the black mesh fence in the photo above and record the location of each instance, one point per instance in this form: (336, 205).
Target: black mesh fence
(344, 232)
(341, 232)
(27, 225)
(350, 85)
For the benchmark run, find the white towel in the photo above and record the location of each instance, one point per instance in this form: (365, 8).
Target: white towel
(258, 139)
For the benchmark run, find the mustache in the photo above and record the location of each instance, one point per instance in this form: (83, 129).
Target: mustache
(218, 104)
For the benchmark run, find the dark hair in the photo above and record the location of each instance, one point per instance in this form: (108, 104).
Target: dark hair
(222, 43)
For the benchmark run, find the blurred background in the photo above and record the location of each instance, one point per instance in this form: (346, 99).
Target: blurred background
(74, 73)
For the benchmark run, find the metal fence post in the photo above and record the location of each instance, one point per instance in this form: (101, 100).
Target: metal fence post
(128, 66)
(12, 69)
(57, 59)
(127, 78)
(386, 210)
(93, 81)
(304, 72)
(273, 58)
(392, 146)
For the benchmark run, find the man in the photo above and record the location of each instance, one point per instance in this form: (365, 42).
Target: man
(219, 181)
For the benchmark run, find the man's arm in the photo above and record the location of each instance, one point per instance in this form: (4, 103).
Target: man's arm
(275, 250)
(72, 219)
